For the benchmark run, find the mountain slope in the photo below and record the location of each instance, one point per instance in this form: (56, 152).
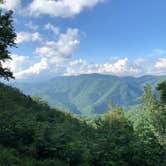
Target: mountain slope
(31, 133)
(87, 94)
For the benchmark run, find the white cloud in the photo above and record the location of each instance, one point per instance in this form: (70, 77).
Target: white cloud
(35, 69)
(161, 63)
(63, 47)
(51, 55)
(17, 63)
(53, 28)
(56, 58)
(32, 26)
(27, 36)
(25, 66)
(60, 8)
(120, 67)
(10, 4)
(47, 67)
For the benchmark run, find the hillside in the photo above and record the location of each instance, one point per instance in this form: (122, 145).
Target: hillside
(89, 94)
(30, 131)
(33, 134)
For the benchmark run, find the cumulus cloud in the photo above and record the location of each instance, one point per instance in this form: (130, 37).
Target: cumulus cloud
(51, 55)
(25, 66)
(60, 8)
(54, 58)
(55, 8)
(10, 4)
(53, 28)
(63, 47)
(17, 63)
(35, 69)
(47, 67)
(120, 67)
(161, 63)
(27, 36)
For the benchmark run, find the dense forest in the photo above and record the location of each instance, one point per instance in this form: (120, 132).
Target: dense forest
(33, 134)
(89, 94)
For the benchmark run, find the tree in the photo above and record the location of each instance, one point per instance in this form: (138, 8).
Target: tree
(159, 114)
(161, 87)
(7, 40)
(148, 99)
(113, 143)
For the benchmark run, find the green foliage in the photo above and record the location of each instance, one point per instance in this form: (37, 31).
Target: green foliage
(162, 89)
(148, 98)
(7, 39)
(114, 140)
(9, 157)
(150, 127)
(159, 123)
(90, 94)
(33, 134)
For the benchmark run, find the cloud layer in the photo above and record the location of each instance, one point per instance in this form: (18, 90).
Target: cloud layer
(10, 4)
(161, 63)
(27, 36)
(55, 8)
(60, 8)
(57, 57)
(45, 66)
(54, 57)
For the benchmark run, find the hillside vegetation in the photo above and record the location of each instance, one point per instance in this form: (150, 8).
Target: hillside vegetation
(90, 94)
(32, 134)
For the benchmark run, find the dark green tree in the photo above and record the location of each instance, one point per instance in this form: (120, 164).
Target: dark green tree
(159, 114)
(7, 40)
(161, 87)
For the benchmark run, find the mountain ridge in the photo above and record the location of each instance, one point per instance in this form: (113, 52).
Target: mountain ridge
(90, 93)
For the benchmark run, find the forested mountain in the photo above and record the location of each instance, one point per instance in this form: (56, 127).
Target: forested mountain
(33, 134)
(90, 94)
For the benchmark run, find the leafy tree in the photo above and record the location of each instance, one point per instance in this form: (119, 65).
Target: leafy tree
(9, 157)
(114, 140)
(7, 40)
(159, 115)
(150, 126)
(161, 87)
(148, 151)
(148, 99)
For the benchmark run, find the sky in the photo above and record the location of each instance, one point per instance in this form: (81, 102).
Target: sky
(72, 37)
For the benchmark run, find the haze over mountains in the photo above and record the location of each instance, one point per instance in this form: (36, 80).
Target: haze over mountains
(90, 93)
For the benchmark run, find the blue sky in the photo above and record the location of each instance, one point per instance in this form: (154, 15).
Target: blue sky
(70, 37)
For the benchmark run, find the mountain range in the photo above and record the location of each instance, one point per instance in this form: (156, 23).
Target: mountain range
(89, 93)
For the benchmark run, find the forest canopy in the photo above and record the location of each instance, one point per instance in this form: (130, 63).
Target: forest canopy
(32, 133)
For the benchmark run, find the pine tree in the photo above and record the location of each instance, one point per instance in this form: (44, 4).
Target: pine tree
(7, 40)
